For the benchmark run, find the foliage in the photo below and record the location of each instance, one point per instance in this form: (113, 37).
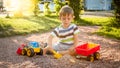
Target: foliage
(107, 30)
(46, 9)
(116, 23)
(58, 6)
(7, 16)
(99, 21)
(111, 32)
(67, 2)
(75, 4)
(18, 13)
(36, 7)
(22, 26)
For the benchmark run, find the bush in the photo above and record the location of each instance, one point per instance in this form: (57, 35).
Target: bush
(109, 32)
(117, 13)
(36, 7)
(114, 23)
(75, 4)
(36, 10)
(46, 9)
(58, 6)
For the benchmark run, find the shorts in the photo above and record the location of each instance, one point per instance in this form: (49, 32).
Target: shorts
(61, 47)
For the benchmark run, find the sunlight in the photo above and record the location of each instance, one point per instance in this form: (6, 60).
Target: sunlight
(20, 7)
(17, 9)
(15, 4)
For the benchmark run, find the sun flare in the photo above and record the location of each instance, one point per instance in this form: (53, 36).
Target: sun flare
(20, 7)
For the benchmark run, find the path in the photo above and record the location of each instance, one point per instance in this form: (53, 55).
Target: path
(110, 52)
(99, 13)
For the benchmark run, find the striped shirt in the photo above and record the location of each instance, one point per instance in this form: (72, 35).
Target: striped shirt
(66, 34)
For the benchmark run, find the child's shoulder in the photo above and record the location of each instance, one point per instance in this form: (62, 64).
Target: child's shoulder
(57, 27)
(60, 26)
(73, 25)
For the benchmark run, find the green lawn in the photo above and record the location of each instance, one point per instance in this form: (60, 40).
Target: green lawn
(23, 26)
(105, 30)
(16, 26)
(95, 21)
(110, 32)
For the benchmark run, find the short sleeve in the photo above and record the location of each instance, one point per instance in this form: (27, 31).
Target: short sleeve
(76, 30)
(54, 33)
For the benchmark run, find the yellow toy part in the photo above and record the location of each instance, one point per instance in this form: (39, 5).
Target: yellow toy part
(90, 58)
(30, 52)
(91, 45)
(56, 55)
(37, 50)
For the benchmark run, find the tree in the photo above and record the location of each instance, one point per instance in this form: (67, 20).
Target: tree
(58, 6)
(46, 9)
(36, 7)
(117, 13)
(75, 4)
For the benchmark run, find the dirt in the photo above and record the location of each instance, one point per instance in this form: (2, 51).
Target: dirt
(110, 52)
(98, 14)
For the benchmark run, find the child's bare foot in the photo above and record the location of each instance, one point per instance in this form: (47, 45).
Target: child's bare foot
(44, 51)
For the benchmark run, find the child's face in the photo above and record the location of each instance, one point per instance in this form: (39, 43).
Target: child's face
(66, 19)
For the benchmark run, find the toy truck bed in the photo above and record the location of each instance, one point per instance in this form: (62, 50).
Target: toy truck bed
(87, 49)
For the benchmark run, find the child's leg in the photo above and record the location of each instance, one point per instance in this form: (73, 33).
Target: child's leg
(64, 52)
(72, 53)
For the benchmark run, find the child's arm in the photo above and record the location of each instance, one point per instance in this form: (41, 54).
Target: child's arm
(71, 50)
(76, 41)
(49, 47)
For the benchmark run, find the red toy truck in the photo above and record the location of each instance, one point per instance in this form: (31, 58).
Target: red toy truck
(89, 50)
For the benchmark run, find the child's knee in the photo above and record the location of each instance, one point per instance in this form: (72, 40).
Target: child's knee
(49, 53)
(72, 53)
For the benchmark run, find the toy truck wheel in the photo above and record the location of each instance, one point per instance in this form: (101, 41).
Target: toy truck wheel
(97, 55)
(41, 51)
(24, 52)
(30, 52)
(90, 58)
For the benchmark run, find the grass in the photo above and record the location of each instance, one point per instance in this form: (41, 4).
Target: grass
(18, 26)
(106, 29)
(110, 32)
(26, 25)
(99, 21)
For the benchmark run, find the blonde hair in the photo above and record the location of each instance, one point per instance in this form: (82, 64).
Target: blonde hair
(66, 10)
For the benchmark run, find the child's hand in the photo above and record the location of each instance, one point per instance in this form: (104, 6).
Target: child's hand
(46, 49)
(71, 49)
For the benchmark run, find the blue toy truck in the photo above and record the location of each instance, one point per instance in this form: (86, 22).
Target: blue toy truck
(31, 49)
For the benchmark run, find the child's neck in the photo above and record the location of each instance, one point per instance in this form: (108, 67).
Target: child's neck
(65, 26)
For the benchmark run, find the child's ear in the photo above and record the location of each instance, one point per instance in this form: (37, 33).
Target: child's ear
(73, 16)
(59, 17)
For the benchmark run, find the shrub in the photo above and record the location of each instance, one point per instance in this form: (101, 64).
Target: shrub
(75, 4)
(58, 6)
(117, 13)
(109, 32)
(46, 9)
